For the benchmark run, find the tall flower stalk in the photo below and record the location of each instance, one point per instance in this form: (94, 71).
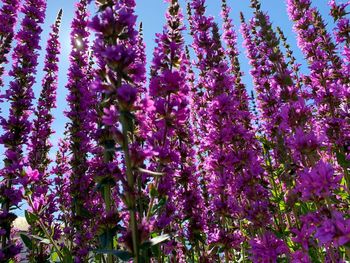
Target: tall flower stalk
(329, 89)
(230, 39)
(17, 127)
(228, 142)
(172, 141)
(41, 130)
(37, 189)
(119, 69)
(79, 128)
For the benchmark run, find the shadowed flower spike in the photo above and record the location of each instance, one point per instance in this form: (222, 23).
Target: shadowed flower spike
(41, 131)
(118, 81)
(79, 127)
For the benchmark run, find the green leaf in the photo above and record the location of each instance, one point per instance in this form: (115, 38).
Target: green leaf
(341, 158)
(41, 239)
(30, 217)
(67, 255)
(54, 257)
(27, 241)
(154, 241)
(123, 255)
(314, 255)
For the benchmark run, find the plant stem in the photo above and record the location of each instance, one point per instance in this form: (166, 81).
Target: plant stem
(107, 198)
(47, 233)
(131, 181)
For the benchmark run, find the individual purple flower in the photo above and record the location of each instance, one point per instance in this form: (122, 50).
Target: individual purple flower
(334, 230)
(318, 181)
(268, 248)
(300, 257)
(126, 95)
(33, 175)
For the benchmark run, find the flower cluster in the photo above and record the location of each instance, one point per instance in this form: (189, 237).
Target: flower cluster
(182, 166)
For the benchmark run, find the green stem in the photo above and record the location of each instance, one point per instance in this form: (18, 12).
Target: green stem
(107, 198)
(47, 233)
(131, 182)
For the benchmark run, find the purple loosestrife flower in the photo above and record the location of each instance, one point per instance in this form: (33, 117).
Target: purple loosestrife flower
(62, 172)
(8, 16)
(330, 87)
(39, 141)
(79, 127)
(120, 65)
(268, 104)
(41, 130)
(231, 153)
(290, 127)
(339, 12)
(287, 117)
(230, 38)
(17, 126)
(317, 182)
(171, 136)
(267, 248)
(335, 230)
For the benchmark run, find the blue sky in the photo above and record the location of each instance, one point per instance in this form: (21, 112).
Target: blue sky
(151, 13)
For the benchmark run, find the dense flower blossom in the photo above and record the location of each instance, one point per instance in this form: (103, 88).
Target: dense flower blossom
(79, 126)
(8, 14)
(335, 230)
(183, 166)
(289, 124)
(226, 140)
(329, 84)
(317, 182)
(267, 248)
(17, 126)
(171, 130)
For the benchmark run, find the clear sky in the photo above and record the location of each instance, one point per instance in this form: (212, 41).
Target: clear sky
(151, 13)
